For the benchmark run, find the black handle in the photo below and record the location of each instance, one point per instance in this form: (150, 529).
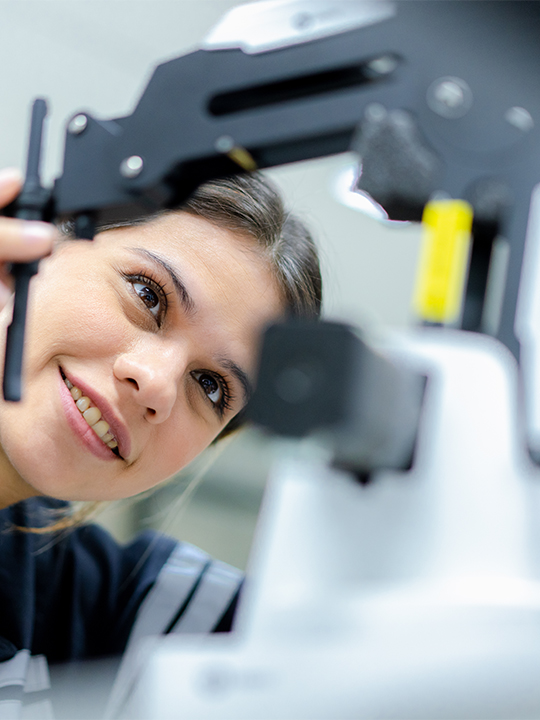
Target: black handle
(31, 205)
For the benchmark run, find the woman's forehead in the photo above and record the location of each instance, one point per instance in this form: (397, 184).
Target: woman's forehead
(207, 264)
(189, 241)
(178, 232)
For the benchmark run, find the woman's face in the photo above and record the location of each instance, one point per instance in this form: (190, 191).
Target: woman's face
(157, 327)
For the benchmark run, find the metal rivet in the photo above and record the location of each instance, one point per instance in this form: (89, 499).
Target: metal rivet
(383, 65)
(77, 124)
(449, 97)
(375, 112)
(519, 118)
(224, 144)
(131, 166)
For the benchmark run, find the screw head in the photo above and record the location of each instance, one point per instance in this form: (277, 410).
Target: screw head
(449, 97)
(78, 124)
(375, 112)
(520, 118)
(382, 65)
(132, 166)
(224, 144)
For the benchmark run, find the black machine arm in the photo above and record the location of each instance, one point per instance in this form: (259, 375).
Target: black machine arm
(435, 97)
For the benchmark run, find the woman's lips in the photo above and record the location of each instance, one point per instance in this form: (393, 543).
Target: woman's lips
(81, 428)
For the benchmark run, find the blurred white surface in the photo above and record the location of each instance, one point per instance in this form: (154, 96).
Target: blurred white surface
(416, 596)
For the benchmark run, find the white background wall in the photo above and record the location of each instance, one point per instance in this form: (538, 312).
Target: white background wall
(98, 55)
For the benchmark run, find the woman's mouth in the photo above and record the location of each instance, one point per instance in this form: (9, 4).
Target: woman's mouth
(92, 416)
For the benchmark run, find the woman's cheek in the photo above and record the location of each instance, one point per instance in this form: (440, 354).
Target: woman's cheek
(178, 445)
(80, 318)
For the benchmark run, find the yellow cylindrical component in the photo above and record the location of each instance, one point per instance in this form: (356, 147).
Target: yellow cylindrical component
(443, 260)
(242, 157)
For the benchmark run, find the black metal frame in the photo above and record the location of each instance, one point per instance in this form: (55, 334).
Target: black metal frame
(315, 99)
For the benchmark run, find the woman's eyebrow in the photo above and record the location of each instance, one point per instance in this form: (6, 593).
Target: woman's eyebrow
(183, 295)
(239, 374)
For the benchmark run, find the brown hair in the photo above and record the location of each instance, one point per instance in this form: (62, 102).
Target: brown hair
(250, 204)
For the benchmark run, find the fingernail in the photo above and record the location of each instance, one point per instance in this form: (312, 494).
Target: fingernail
(37, 232)
(9, 175)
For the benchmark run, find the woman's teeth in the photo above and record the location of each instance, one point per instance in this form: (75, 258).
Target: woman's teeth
(92, 415)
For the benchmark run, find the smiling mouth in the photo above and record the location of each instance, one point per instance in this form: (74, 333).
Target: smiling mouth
(92, 416)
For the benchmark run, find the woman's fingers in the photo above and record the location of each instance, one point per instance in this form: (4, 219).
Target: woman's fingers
(25, 240)
(10, 185)
(21, 241)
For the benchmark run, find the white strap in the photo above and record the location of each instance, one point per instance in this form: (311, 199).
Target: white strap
(28, 674)
(173, 585)
(14, 670)
(211, 599)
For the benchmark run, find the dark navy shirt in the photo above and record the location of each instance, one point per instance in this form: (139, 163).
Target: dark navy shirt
(74, 596)
(78, 595)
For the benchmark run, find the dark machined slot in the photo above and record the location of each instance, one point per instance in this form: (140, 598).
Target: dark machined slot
(284, 91)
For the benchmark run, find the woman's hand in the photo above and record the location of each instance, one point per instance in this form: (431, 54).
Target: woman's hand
(20, 240)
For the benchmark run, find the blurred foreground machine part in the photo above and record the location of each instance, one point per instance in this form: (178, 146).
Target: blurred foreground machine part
(322, 379)
(417, 594)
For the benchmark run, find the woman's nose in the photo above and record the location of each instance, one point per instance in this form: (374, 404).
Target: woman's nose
(153, 379)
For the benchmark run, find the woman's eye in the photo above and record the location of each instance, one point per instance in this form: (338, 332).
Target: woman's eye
(149, 297)
(151, 293)
(211, 387)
